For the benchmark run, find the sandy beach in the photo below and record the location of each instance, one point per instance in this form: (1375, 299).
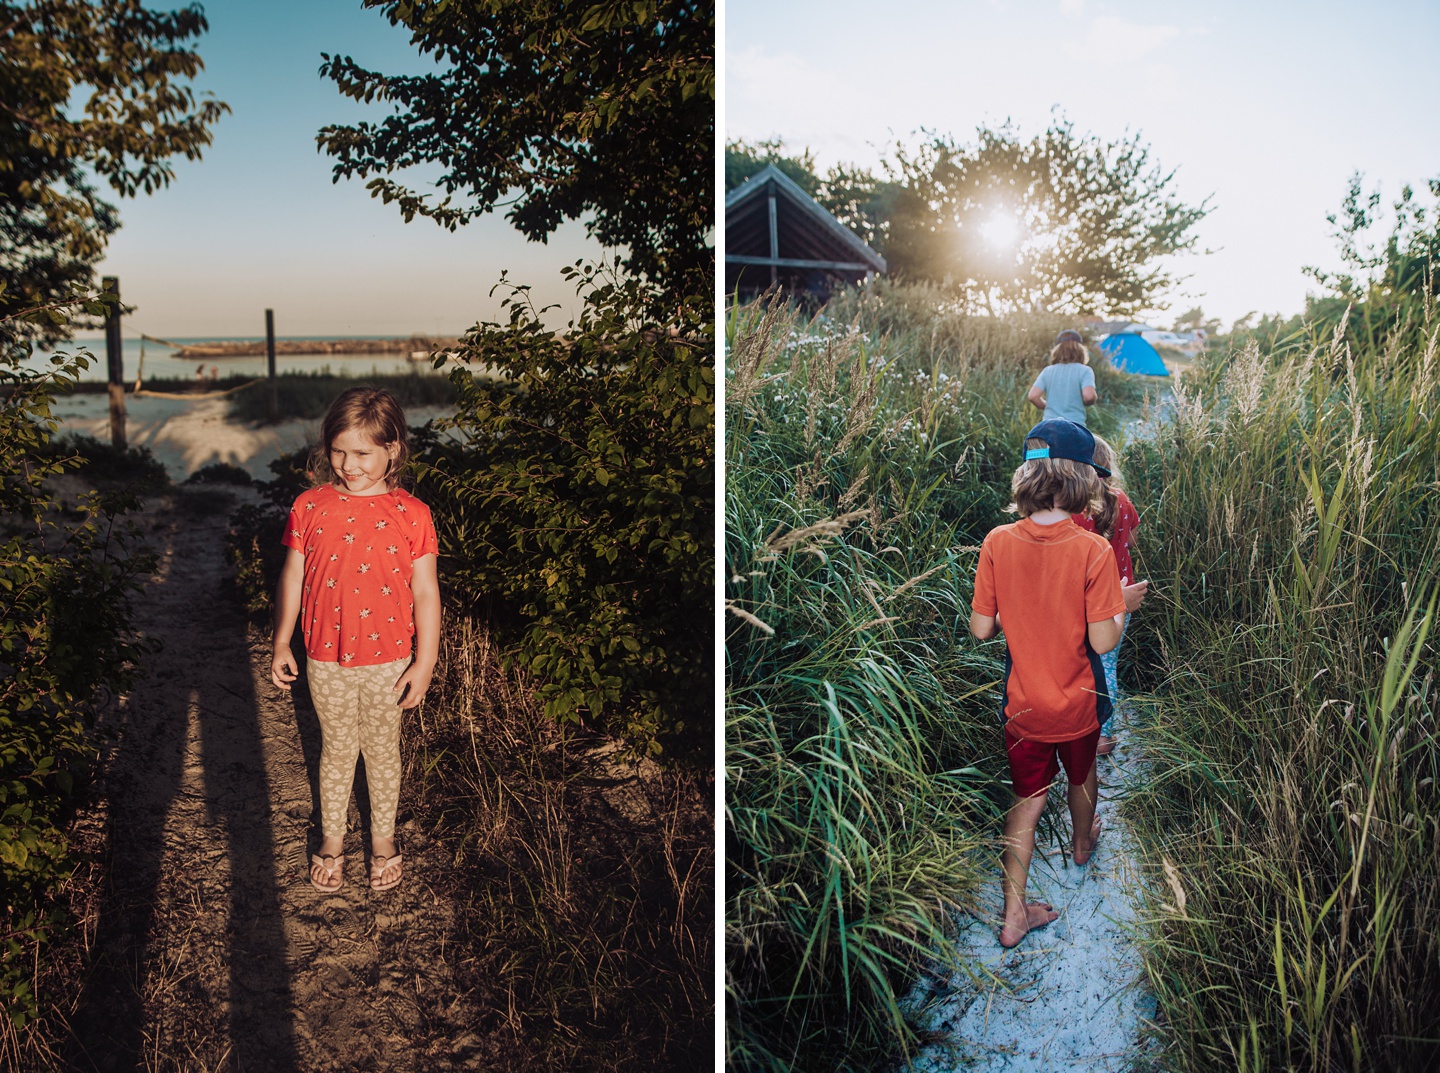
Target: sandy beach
(185, 435)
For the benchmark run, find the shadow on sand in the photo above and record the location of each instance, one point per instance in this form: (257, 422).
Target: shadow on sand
(190, 834)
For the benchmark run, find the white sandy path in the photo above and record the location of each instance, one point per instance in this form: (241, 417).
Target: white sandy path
(1071, 995)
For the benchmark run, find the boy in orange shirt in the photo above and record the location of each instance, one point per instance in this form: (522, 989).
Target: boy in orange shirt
(1059, 589)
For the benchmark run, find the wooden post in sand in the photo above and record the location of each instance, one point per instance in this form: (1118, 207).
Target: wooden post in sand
(274, 399)
(111, 284)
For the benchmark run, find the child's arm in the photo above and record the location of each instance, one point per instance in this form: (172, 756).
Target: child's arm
(1088, 396)
(425, 588)
(1037, 397)
(1105, 634)
(984, 627)
(283, 668)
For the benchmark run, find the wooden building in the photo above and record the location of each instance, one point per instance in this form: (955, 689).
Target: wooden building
(777, 235)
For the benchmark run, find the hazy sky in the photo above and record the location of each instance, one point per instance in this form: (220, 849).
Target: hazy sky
(257, 223)
(1268, 106)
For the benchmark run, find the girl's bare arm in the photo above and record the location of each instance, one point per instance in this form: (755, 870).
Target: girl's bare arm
(425, 588)
(283, 669)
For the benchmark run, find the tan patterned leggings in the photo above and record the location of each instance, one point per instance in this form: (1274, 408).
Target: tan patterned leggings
(359, 714)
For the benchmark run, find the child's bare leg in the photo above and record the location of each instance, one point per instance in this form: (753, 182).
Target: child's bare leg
(1083, 823)
(1021, 916)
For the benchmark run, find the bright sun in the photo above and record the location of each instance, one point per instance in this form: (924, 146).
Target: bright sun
(1001, 231)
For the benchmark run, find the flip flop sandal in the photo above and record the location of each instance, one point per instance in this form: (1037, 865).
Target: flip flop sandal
(378, 865)
(332, 866)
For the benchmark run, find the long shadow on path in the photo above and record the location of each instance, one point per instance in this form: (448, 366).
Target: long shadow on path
(190, 950)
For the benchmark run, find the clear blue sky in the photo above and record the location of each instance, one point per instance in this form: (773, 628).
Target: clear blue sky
(1268, 106)
(257, 223)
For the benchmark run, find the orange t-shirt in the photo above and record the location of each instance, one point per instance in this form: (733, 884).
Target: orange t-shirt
(1047, 582)
(356, 607)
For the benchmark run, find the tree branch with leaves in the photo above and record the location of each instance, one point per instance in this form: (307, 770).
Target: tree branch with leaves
(86, 88)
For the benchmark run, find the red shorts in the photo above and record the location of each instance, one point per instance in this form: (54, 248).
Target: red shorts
(1034, 764)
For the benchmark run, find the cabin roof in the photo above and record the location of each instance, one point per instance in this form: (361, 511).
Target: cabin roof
(807, 235)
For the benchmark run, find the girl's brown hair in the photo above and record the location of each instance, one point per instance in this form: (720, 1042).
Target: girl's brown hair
(368, 410)
(1109, 510)
(1043, 483)
(1067, 351)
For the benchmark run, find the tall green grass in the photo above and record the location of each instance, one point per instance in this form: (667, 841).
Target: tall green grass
(1289, 529)
(868, 452)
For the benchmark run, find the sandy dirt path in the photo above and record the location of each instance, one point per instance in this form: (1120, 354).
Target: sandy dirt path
(209, 949)
(1071, 996)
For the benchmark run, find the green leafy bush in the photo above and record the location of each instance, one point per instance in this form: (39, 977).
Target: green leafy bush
(134, 469)
(65, 582)
(577, 503)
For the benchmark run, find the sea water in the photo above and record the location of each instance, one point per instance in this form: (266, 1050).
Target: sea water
(158, 362)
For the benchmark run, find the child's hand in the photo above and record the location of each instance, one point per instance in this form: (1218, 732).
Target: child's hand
(1134, 594)
(412, 685)
(283, 668)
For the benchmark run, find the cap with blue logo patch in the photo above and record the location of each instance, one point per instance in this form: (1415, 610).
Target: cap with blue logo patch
(1065, 439)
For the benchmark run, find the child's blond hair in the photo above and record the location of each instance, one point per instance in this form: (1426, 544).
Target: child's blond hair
(1054, 483)
(1109, 510)
(372, 411)
(1068, 351)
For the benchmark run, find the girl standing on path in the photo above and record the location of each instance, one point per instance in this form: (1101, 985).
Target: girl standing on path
(361, 576)
(1067, 385)
(1116, 521)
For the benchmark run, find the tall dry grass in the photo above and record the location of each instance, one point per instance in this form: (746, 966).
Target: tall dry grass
(1289, 529)
(584, 878)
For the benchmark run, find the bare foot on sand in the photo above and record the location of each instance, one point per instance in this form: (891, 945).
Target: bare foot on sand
(1083, 848)
(1037, 915)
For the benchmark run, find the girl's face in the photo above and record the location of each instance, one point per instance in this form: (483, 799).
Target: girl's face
(360, 463)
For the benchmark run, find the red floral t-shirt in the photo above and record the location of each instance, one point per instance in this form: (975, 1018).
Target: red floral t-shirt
(356, 606)
(1127, 520)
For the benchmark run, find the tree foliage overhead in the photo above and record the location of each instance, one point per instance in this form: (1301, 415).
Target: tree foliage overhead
(1404, 262)
(86, 87)
(744, 159)
(572, 108)
(1092, 220)
(575, 501)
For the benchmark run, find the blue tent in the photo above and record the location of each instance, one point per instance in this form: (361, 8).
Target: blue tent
(1131, 354)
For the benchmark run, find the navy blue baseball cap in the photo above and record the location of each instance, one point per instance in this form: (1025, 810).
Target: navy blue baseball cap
(1071, 334)
(1066, 440)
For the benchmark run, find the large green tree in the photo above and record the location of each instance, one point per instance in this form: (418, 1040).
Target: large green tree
(577, 506)
(1387, 281)
(565, 109)
(88, 88)
(1403, 262)
(1060, 222)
